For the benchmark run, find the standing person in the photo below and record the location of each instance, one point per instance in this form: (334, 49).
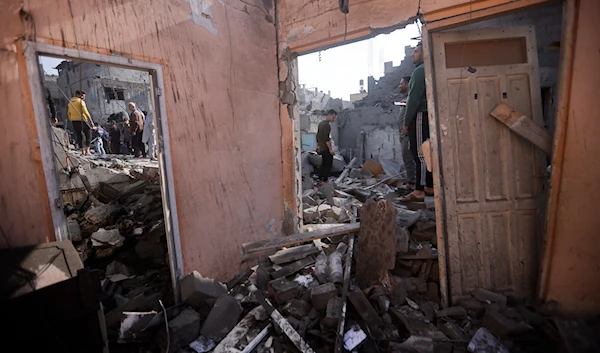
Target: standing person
(407, 158)
(98, 141)
(126, 148)
(82, 122)
(114, 137)
(136, 129)
(148, 135)
(416, 126)
(324, 147)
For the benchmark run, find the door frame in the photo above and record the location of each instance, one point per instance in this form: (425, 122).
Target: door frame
(31, 51)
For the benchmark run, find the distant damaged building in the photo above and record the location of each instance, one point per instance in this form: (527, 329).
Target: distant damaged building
(108, 89)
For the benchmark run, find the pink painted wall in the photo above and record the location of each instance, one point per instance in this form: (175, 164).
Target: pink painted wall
(222, 103)
(573, 274)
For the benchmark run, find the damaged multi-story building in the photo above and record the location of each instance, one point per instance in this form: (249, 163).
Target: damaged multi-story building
(225, 92)
(108, 89)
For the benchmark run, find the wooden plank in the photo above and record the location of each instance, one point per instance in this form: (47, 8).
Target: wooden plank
(347, 272)
(364, 307)
(293, 254)
(524, 126)
(293, 267)
(274, 243)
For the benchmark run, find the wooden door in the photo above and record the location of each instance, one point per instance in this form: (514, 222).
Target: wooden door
(490, 177)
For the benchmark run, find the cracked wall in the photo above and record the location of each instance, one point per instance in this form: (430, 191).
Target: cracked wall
(220, 71)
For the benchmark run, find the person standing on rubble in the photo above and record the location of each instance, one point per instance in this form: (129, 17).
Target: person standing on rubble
(324, 147)
(407, 158)
(416, 126)
(136, 128)
(81, 120)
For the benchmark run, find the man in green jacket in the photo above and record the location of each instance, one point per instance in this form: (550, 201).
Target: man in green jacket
(416, 126)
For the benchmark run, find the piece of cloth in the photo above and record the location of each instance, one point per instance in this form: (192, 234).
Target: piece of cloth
(136, 123)
(418, 132)
(327, 162)
(138, 145)
(77, 111)
(83, 135)
(417, 95)
(323, 133)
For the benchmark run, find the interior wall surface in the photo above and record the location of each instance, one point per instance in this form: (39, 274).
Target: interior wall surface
(573, 266)
(220, 73)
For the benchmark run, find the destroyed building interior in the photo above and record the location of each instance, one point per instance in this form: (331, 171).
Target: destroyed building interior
(163, 185)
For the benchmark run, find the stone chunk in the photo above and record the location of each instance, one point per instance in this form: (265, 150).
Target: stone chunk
(452, 330)
(297, 308)
(283, 290)
(334, 308)
(503, 326)
(416, 323)
(222, 318)
(74, 230)
(314, 213)
(321, 295)
(201, 292)
(104, 237)
(484, 295)
(183, 329)
(102, 215)
(453, 311)
(474, 307)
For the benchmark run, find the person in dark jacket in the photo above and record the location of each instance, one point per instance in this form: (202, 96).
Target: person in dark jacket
(136, 128)
(324, 147)
(114, 138)
(416, 126)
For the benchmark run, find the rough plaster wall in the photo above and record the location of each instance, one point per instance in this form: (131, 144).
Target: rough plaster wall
(547, 20)
(221, 95)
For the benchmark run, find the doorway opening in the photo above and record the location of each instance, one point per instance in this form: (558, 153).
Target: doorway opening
(106, 157)
(361, 82)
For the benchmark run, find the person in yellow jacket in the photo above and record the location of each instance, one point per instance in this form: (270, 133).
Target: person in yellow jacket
(82, 122)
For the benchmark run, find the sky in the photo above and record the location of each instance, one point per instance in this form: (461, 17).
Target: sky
(341, 68)
(49, 64)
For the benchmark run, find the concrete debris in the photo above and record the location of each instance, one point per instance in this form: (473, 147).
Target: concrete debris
(201, 292)
(105, 237)
(202, 345)
(183, 330)
(484, 296)
(354, 337)
(484, 341)
(222, 318)
(321, 295)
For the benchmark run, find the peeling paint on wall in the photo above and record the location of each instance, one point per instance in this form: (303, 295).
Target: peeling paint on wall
(202, 14)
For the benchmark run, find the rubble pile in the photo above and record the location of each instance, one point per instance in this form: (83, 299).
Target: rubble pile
(120, 231)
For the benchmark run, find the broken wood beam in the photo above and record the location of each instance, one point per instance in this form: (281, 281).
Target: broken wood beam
(524, 126)
(274, 243)
(345, 172)
(281, 321)
(339, 341)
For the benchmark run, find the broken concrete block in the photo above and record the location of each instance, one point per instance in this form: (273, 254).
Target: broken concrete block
(309, 201)
(414, 343)
(401, 237)
(335, 271)
(428, 309)
(321, 295)
(454, 311)
(283, 290)
(183, 329)
(474, 307)
(146, 250)
(74, 230)
(103, 215)
(321, 267)
(297, 308)
(110, 237)
(334, 308)
(262, 277)
(201, 292)
(452, 330)
(340, 214)
(314, 213)
(503, 326)
(327, 190)
(222, 318)
(202, 345)
(293, 254)
(416, 323)
(364, 307)
(485, 295)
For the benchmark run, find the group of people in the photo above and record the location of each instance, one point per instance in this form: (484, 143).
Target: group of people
(136, 135)
(414, 124)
